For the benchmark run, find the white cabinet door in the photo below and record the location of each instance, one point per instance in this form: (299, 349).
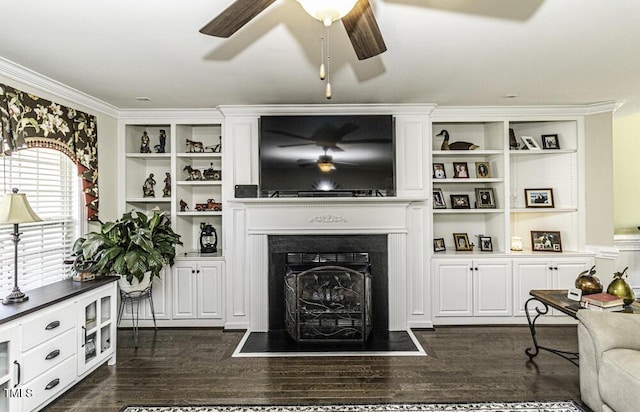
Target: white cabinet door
(492, 288)
(565, 271)
(209, 284)
(529, 274)
(11, 391)
(453, 286)
(96, 327)
(184, 290)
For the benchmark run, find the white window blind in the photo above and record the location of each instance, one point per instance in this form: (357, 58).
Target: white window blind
(49, 179)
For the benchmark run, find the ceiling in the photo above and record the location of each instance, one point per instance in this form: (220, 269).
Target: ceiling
(447, 52)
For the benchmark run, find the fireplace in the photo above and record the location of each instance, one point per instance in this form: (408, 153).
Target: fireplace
(327, 302)
(352, 255)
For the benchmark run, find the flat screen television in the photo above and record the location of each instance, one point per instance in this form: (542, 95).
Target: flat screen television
(306, 156)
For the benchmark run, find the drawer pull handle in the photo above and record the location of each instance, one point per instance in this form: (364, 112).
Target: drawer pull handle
(53, 354)
(52, 384)
(18, 365)
(53, 325)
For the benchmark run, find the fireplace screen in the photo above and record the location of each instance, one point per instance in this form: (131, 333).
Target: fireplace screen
(328, 302)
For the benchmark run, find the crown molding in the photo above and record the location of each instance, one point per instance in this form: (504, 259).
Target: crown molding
(38, 81)
(528, 112)
(176, 115)
(327, 109)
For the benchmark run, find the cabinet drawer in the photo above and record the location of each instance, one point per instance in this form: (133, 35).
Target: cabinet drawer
(51, 323)
(47, 355)
(50, 384)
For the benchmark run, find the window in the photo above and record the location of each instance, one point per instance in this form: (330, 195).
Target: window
(49, 179)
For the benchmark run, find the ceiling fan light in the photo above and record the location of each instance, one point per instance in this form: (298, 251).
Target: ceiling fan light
(325, 167)
(327, 11)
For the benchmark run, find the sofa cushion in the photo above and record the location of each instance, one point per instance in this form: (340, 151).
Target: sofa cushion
(619, 379)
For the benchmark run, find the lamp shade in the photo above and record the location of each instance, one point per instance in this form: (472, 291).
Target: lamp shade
(15, 208)
(327, 11)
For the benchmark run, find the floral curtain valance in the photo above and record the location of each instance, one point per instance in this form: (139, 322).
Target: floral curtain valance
(28, 121)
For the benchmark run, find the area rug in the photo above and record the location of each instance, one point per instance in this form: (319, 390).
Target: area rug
(563, 406)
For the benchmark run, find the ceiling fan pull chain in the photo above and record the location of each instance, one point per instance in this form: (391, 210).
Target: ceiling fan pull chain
(327, 91)
(323, 73)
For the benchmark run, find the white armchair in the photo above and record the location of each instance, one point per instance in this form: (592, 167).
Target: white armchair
(609, 345)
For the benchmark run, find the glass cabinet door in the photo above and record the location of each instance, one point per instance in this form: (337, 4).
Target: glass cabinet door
(96, 326)
(9, 393)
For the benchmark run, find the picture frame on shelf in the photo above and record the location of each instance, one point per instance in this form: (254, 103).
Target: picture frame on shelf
(530, 143)
(550, 141)
(486, 244)
(539, 198)
(483, 170)
(460, 202)
(485, 198)
(438, 245)
(461, 240)
(546, 241)
(460, 170)
(438, 171)
(438, 199)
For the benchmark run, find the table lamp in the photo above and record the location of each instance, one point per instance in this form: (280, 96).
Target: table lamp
(15, 209)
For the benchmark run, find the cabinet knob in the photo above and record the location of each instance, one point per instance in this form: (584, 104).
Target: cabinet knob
(52, 325)
(198, 271)
(193, 271)
(52, 384)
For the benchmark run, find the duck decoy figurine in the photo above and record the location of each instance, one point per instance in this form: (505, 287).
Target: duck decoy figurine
(455, 145)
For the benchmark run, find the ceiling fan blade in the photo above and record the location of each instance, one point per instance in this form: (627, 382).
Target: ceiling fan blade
(234, 17)
(363, 31)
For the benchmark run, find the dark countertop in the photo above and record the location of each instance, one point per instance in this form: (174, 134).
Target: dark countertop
(48, 295)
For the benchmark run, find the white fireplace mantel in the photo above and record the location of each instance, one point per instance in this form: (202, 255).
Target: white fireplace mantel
(401, 220)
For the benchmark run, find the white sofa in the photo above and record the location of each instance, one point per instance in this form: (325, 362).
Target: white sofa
(609, 345)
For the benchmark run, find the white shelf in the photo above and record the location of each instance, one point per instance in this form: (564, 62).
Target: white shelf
(540, 152)
(469, 180)
(149, 156)
(544, 210)
(200, 214)
(202, 155)
(148, 200)
(467, 152)
(466, 211)
(199, 182)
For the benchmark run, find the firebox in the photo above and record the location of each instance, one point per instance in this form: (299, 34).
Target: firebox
(328, 296)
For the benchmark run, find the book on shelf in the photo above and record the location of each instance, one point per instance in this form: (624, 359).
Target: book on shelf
(590, 306)
(604, 300)
(636, 304)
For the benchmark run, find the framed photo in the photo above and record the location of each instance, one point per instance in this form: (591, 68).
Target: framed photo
(545, 241)
(485, 244)
(461, 240)
(538, 197)
(460, 170)
(483, 170)
(438, 245)
(485, 198)
(530, 142)
(438, 171)
(550, 141)
(460, 202)
(438, 199)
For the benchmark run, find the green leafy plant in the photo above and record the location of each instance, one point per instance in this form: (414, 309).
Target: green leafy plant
(129, 247)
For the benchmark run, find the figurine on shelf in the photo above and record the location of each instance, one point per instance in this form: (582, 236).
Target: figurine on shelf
(166, 192)
(195, 146)
(212, 174)
(147, 188)
(194, 174)
(217, 148)
(183, 206)
(144, 143)
(159, 148)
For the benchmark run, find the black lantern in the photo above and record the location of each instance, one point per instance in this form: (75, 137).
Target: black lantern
(208, 238)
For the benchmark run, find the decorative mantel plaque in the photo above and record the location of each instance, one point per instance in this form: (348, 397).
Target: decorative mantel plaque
(328, 219)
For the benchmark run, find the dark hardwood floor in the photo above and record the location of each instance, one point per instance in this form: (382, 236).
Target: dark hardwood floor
(194, 366)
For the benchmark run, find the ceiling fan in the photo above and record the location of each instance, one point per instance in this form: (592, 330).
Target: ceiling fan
(356, 15)
(324, 162)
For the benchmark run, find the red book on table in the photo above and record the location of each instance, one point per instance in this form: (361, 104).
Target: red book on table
(604, 300)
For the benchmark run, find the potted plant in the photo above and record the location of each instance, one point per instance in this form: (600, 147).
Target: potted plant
(136, 247)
